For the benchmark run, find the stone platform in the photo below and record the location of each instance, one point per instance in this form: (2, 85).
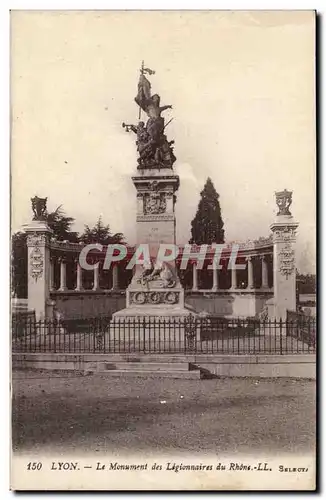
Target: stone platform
(160, 324)
(158, 311)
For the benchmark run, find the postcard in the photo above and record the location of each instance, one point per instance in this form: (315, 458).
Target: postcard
(163, 250)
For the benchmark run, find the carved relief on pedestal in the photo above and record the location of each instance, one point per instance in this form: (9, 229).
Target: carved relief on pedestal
(154, 297)
(36, 239)
(36, 262)
(154, 203)
(138, 297)
(156, 198)
(285, 233)
(159, 275)
(171, 297)
(170, 201)
(37, 242)
(287, 260)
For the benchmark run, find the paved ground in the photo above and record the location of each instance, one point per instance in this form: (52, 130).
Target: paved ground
(97, 414)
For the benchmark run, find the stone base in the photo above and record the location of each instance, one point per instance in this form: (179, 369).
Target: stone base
(165, 327)
(159, 311)
(154, 301)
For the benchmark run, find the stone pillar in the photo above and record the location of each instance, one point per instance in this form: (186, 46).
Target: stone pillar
(38, 251)
(63, 272)
(79, 277)
(52, 287)
(215, 280)
(96, 277)
(264, 272)
(115, 278)
(284, 264)
(194, 277)
(250, 273)
(233, 278)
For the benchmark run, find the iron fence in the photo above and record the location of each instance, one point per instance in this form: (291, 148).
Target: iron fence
(301, 327)
(209, 335)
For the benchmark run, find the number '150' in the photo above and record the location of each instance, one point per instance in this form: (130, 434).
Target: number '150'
(34, 466)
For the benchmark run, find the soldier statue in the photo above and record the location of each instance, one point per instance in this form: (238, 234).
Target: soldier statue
(152, 145)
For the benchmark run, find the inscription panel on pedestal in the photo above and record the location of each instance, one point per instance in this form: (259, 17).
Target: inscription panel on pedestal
(156, 232)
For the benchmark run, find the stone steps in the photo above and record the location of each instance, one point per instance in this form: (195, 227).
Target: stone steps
(178, 374)
(149, 358)
(152, 368)
(147, 366)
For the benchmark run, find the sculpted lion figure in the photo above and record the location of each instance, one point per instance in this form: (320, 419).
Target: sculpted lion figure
(158, 272)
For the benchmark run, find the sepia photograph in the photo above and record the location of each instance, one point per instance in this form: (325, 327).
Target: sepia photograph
(163, 250)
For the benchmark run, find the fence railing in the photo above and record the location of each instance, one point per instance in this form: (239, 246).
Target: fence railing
(301, 327)
(209, 335)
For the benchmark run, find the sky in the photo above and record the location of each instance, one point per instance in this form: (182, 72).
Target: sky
(242, 86)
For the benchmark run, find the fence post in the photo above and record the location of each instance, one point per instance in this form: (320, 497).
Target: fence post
(144, 332)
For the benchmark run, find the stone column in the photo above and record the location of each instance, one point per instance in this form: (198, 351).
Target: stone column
(38, 252)
(233, 278)
(264, 272)
(250, 273)
(52, 287)
(63, 274)
(284, 263)
(215, 280)
(194, 277)
(115, 278)
(96, 277)
(79, 277)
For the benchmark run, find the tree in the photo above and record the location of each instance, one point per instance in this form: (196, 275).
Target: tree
(19, 265)
(207, 226)
(306, 283)
(61, 224)
(100, 234)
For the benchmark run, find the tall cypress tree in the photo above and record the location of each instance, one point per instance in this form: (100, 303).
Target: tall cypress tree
(207, 226)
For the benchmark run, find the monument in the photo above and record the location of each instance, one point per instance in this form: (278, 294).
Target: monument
(155, 289)
(284, 270)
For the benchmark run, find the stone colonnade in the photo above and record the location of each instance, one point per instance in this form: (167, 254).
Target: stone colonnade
(283, 229)
(116, 285)
(234, 276)
(79, 276)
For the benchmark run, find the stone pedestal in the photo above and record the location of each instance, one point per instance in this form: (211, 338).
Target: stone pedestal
(39, 267)
(284, 267)
(159, 292)
(155, 206)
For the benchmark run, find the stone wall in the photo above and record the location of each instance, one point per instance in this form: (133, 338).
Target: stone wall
(89, 304)
(236, 304)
